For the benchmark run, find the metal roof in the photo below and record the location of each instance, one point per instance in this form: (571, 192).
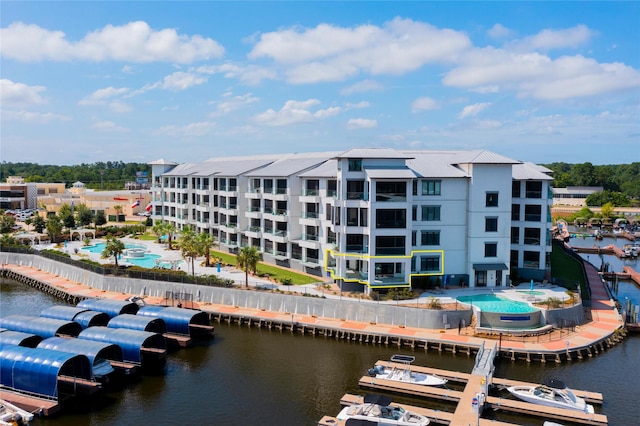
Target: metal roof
(176, 319)
(328, 169)
(161, 162)
(530, 171)
(110, 307)
(43, 327)
(490, 267)
(131, 341)
(291, 164)
(84, 317)
(435, 164)
(97, 352)
(36, 370)
(19, 338)
(482, 157)
(137, 322)
(384, 153)
(390, 173)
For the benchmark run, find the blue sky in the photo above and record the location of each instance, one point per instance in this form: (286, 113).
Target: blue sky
(543, 82)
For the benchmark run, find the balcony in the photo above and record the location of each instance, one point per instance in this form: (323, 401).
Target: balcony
(359, 195)
(357, 248)
(310, 215)
(311, 192)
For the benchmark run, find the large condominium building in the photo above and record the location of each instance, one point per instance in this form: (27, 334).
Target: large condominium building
(370, 218)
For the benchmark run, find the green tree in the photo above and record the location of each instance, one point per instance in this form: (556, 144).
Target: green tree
(248, 259)
(54, 228)
(38, 223)
(100, 218)
(205, 240)
(84, 215)
(7, 240)
(114, 247)
(189, 246)
(158, 229)
(7, 223)
(118, 210)
(607, 210)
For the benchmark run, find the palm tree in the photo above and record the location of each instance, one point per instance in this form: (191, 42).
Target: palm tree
(170, 229)
(248, 259)
(114, 247)
(54, 228)
(189, 246)
(205, 240)
(158, 229)
(118, 209)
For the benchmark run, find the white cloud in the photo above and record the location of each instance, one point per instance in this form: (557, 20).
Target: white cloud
(423, 104)
(250, 75)
(554, 39)
(109, 126)
(99, 96)
(33, 117)
(361, 123)
(182, 81)
(293, 112)
(329, 112)
(120, 107)
(538, 76)
(14, 94)
(331, 53)
(135, 42)
(232, 103)
(473, 110)
(499, 31)
(189, 130)
(362, 86)
(361, 104)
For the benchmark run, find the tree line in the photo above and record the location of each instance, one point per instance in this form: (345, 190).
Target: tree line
(616, 180)
(109, 175)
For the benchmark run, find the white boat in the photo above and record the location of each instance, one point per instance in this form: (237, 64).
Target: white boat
(554, 394)
(377, 411)
(12, 415)
(404, 374)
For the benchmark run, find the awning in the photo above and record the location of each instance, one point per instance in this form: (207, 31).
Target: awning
(490, 267)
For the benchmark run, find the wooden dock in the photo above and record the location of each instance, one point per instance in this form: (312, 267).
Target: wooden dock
(38, 406)
(474, 383)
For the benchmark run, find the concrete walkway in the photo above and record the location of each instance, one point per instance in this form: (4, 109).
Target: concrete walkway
(603, 319)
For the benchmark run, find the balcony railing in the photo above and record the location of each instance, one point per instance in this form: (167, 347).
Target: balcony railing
(332, 193)
(534, 194)
(357, 248)
(313, 260)
(254, 208)
(280, 233)
(256, 229)
(310, 192)
(310, 237)
(532, 217)
(355, 195)
(310, 215)
(281, 190)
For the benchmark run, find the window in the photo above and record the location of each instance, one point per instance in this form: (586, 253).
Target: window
(532, 213)
(355, 165)
(534, 189)
(391, 191)
(328, 210)
(391, 218)
(414, 238)
(532, 236)
(430, 238)
(481, 278)
(515, 212)
(355, 190)
(414, 187)
(492, 199)
(515, 189)
(430, 187)
(430, 213)
(515, 235)
(531, 259)
(390, 245)
(414, 213)
(352, 216)
(364, 217)
(429, 264)
(490, 249)
(490, 224)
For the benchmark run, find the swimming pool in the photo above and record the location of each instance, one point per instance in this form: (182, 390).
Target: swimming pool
(493, 303)
(147, 260)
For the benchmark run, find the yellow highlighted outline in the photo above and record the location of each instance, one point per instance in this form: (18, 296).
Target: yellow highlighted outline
(366, 256)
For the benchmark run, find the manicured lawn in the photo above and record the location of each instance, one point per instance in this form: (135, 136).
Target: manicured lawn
(279, 274)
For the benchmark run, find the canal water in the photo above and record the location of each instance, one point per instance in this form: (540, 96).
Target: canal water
(249, 376)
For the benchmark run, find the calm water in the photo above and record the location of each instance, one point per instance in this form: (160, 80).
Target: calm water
(248, 376)
(148, 260)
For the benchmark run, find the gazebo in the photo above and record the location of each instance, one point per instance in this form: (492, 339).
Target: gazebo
(82, 233)
(31, 236)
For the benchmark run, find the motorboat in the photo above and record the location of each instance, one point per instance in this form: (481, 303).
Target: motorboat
(404, 374)
(376, 410)
(12, 415)
(552, 394)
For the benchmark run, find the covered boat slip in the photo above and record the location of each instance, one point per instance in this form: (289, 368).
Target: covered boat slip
(100, 354)
(10, 337)
(142, 348)
(186, 322)
(85, 317)
(43, 327)
(110, 307)
(136, 322)
(45, 373)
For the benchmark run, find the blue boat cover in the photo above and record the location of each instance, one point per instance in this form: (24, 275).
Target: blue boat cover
(131, 341)
(98, 353)
(36, 370)
(109, 306)
(84, 317)
(19, 338)
(176, 319)
(43, 327)
(135, 322)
